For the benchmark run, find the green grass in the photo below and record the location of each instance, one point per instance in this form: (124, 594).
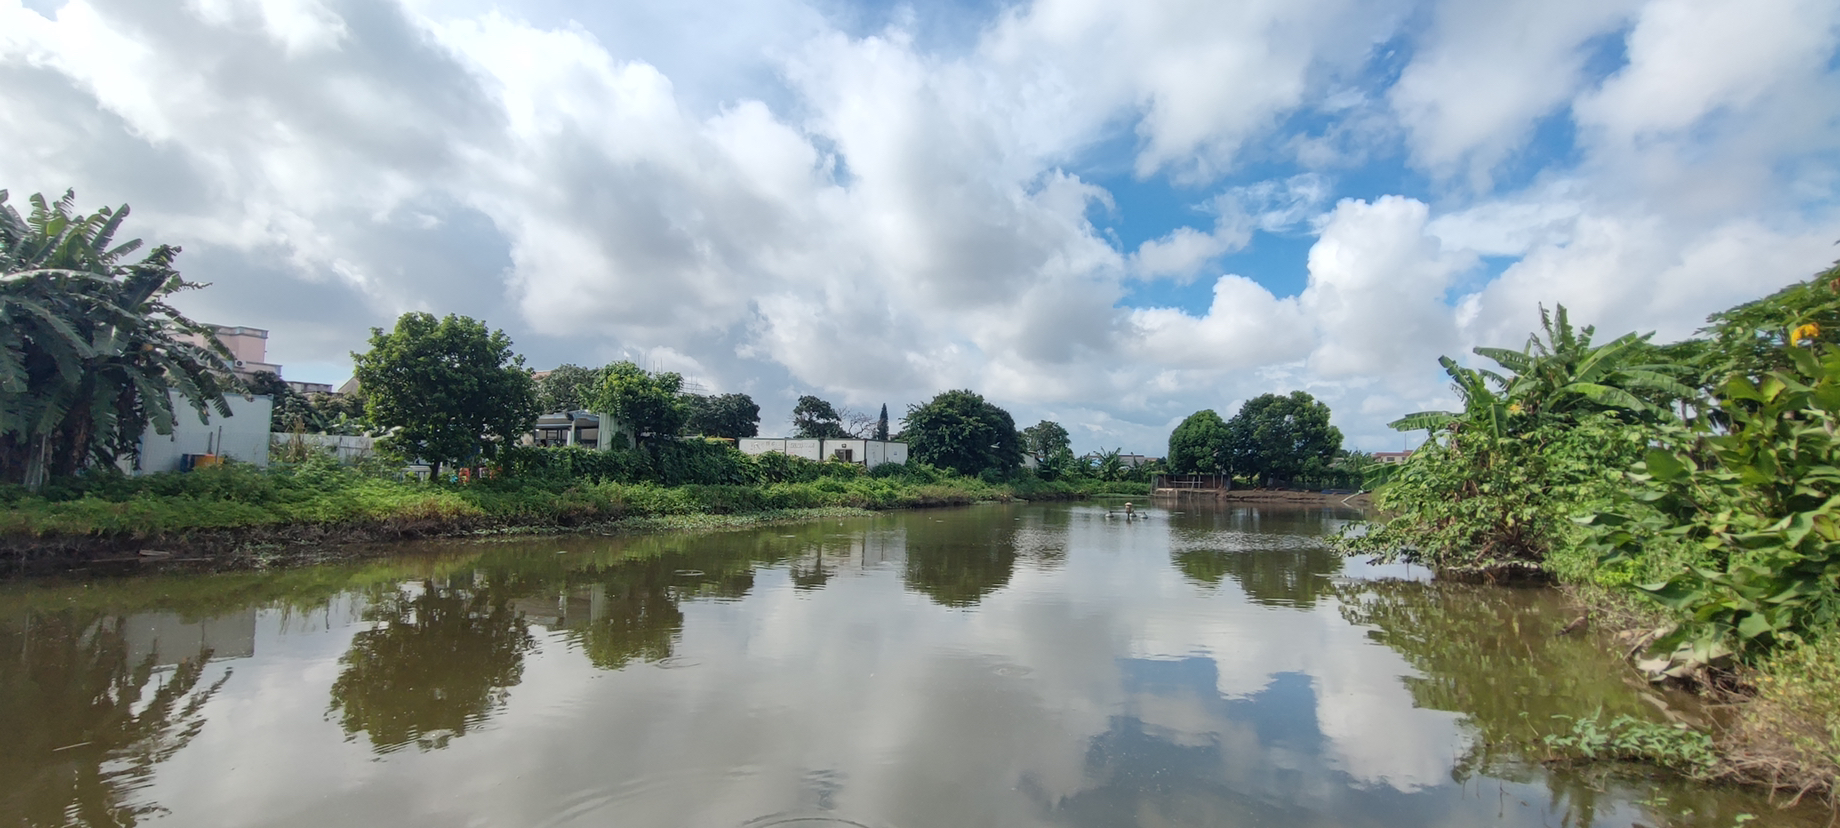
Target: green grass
(320, 494)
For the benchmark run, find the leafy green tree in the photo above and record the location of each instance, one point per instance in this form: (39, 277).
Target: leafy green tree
(1045, 439)
(881, 425)
(91, 353)
(723, 415)
(448, 387)
(1274, 437)
(649, 404)
(813, 417)
(959, 430)
(292, 410)
(567, 388)
(1199, 444)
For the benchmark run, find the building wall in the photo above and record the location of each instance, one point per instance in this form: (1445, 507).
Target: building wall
(243, 436)
(870, 453)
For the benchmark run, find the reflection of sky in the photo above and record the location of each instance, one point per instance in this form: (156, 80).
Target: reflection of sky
(1096, 688)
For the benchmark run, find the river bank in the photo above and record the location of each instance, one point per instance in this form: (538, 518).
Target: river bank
(239, 516)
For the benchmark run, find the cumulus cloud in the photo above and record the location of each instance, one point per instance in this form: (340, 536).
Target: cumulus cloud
(876, 216)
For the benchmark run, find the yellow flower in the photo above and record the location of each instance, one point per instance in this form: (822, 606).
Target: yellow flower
(1804, 333)
(1514, 408)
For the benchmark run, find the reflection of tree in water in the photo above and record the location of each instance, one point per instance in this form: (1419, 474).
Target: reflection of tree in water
(1290, 576)
(83, 730)
(635, 617)
(438, 661)
(1491, 654)
(958, 562)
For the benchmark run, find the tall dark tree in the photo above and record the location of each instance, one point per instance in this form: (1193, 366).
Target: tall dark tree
(881, 424)
(723, 415)
(1275, 437)
(1200, 444)
(450, 388)
(959, 430)
(567, 388)
(813, 417)
(91, 353)
(1046, 439)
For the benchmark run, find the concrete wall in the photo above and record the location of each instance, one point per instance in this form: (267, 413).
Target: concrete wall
(243, 436)
(870, 453)
(347, 448)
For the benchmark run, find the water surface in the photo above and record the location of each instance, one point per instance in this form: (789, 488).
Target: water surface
(1017, 665)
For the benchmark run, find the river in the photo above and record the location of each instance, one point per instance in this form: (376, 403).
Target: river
(997, 665)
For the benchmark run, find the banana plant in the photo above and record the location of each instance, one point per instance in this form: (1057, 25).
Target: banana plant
(91, 353)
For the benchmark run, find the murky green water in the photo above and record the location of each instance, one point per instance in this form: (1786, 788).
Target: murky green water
(991, 666)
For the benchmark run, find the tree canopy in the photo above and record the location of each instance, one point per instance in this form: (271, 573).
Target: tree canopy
(1046, 439)
(959, 430)
(450, 388)
(90, 351)
(881, 425)
(567, 388)
(723, 415)
(813, 417)
(647, 403)
(1279, 437)
(1200, 444)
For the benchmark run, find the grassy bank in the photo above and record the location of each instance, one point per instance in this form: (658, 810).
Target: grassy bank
(320, 502)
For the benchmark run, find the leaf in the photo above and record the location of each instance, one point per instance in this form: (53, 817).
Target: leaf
(1664, 465)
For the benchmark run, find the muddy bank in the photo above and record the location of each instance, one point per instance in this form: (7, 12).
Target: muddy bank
(285, 545)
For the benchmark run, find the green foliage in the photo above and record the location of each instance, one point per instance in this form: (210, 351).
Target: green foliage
(1497, 483)
(881, 425)
(723, 415)
(448, 389)
(1752, 339)
(1274, 438)
(646, 403)
(1200, 444)
(1046, 439)
(815, 418)
(958, 430)
(91, 353)
(1629, 739)
(567, 388)
(1756, 500)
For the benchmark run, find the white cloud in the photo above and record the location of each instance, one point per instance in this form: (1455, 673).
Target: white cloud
(877, 217)
(1486, 72)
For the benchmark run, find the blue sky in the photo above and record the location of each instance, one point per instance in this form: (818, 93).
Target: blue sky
(1104, 213)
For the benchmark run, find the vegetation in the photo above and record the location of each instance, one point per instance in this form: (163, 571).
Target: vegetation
(959, 430)
(91, 353)
(448, 389)
(645, 404)
(815, 418)
(567, 388)
(1701, 477)
(722, 415)
(1200, 444)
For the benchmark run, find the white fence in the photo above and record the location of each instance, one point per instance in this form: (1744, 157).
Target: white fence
(347, 448)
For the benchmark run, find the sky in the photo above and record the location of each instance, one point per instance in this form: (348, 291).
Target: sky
(1109, 214)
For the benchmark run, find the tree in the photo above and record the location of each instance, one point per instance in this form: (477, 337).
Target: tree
(1199, 444)
(881, 424)
(1274, 437)
(448, 387)
(292, 410)
(813, 417)
(1046, 439)
(566, 388)
(723, 415)
(91, 353)
(645, 402)
(958, 430)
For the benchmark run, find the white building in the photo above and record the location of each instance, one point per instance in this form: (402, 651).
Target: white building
(242, 437)
(870, 453)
